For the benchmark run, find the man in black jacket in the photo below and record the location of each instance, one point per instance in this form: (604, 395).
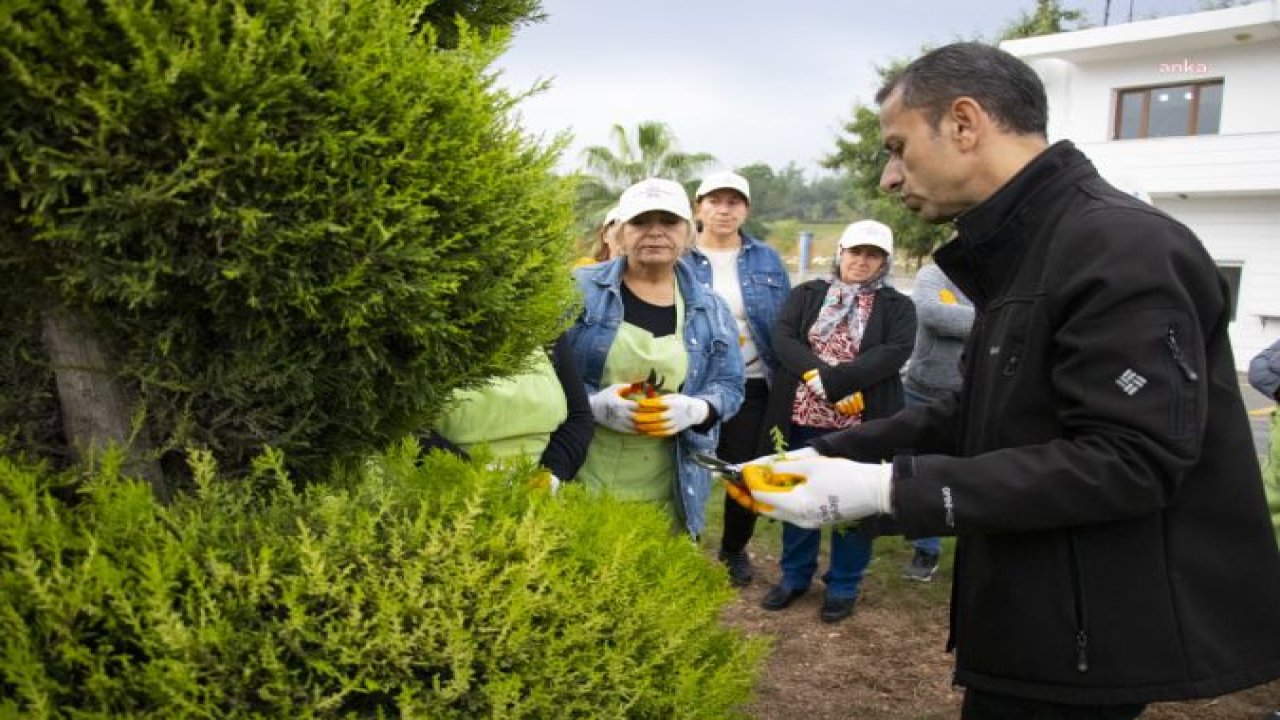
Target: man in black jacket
(1097, 468)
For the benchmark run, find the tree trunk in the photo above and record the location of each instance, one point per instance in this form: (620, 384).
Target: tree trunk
(96, 409)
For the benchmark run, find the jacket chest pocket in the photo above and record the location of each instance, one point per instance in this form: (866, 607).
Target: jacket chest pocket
(773, 281)
(999, 366)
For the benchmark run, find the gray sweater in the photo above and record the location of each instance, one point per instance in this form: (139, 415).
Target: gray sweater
(1264, 371)
(941, 330)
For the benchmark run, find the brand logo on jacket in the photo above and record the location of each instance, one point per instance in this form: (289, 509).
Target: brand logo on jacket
(1130, 382)
(949, 506)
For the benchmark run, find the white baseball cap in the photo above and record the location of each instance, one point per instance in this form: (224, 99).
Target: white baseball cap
(611, 217)
(654, 194)
(867, 232)
(724, 181)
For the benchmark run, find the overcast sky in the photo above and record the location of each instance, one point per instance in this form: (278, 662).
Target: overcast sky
(745, 80)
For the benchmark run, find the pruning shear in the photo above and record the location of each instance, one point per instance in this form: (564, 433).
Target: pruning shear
(731, 472)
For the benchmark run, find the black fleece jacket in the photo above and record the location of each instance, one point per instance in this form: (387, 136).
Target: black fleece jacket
(1097, 467)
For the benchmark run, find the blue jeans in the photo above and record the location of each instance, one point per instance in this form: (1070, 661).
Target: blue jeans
(931, 545)
(850, 551)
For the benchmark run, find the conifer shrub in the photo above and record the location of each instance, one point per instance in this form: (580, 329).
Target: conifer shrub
(295, 223)
(417, 588)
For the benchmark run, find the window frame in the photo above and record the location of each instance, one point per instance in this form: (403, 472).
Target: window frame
(1193, 109)
(1232, 271)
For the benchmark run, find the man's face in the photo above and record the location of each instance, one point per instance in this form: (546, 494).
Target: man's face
(924, 168)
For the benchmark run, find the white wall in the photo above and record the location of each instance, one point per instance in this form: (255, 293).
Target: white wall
(1246, 232)
(1082, 95)
(1225, 187)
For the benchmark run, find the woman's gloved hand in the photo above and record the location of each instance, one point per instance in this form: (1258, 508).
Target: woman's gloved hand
(813, 379)
(816, 491)
(545, 480)
(614, 411)
(666, 415)
(851, 405)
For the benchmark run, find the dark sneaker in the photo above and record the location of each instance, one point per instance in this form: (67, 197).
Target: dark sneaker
(779, 597)
(739, 565)
(836, 609)
(922, 567)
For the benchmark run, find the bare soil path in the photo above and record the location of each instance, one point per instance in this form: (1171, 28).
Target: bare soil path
(888, 662)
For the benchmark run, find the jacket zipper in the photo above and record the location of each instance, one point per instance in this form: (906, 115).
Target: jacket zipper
(1179, 411)
(1171, 339)
(1077, 591)
(1013, 362)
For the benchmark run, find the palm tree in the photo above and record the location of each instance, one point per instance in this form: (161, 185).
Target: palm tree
(653, 151)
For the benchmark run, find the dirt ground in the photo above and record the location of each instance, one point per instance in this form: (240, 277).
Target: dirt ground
(887, 662)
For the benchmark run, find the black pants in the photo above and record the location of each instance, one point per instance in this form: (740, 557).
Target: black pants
(980, 705)
(740, 441)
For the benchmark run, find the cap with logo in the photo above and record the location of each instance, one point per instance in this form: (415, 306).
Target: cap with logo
(654, 194)
(724, 181)
(867, 232)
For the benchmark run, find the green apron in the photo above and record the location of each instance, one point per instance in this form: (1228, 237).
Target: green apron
(632, 467)
(513, 416)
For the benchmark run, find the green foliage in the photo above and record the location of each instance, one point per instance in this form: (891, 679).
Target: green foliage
(480, 15)
(787, 193)
(295, 222)
(1049, 17)
(418, 588)
(779, 442)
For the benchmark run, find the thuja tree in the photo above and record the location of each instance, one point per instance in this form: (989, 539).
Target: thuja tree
(285, 223)
(422, 587)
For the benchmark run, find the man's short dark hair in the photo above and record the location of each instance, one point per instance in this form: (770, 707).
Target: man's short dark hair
(1007, 88)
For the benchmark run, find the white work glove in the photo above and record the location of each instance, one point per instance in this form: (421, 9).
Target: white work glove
(813, 379)
(614, 411)
(816, 491)
(666, 415)
(802, 453)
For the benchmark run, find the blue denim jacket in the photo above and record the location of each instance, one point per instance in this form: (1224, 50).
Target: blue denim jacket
(714, 373)
(765, 285)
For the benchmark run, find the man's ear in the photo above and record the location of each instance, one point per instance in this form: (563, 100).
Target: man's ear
(968, 121)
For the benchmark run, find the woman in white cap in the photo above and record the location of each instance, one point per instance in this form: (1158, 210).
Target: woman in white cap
(751, 278)
(606, 239)
(648, 327)
(841, 343)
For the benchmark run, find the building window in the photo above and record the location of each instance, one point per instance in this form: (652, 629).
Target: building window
(1232, 273)
(1168, 111)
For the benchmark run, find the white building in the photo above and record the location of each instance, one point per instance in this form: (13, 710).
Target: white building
(1186, 108)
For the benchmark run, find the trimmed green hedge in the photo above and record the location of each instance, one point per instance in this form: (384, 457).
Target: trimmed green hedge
(295, 223)
(422, 588)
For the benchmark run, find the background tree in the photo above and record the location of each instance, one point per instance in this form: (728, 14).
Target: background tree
(789, 194)
(859, 149)
(860, 154)
(1047, 18)
(281, 224)
(652, 150)
(482, 16)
